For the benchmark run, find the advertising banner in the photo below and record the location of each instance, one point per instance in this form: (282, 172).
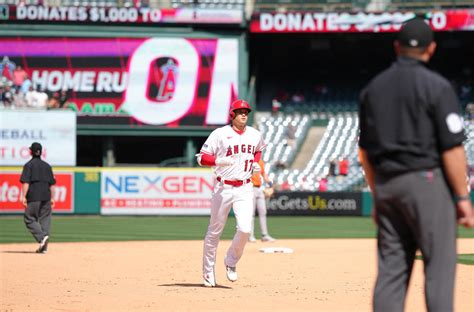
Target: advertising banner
(156, 192)
(11, 190)
(118, 15)
(157, 81)
(55, 130)
(315, 204)
(323, 22)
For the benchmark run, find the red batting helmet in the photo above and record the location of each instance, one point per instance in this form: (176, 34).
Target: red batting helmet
(238, 104)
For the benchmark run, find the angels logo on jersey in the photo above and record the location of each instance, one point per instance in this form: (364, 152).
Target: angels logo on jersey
(243, 148)
(164, 73)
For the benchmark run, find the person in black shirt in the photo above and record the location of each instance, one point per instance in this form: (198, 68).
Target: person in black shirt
(411, 136)
(63, 99)
(38, 196)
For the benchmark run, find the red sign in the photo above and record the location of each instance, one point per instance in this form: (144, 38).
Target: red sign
(321, 22)
(11, 191)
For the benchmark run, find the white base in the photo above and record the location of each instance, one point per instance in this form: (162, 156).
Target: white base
(276, 250)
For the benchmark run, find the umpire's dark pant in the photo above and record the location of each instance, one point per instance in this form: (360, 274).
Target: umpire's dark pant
(38, 218)
(415, 210)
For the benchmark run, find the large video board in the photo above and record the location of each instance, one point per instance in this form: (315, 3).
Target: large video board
(157, 81)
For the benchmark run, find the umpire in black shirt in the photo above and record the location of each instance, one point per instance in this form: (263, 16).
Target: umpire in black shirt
(411, 136)
(38, 193)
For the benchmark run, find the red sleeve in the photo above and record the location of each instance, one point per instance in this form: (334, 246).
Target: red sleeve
(257, 156)
(208, 160)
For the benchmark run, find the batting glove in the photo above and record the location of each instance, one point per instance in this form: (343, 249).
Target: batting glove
(224, 161)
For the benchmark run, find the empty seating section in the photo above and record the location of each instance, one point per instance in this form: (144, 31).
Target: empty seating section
(280, 149)
(333, 96)
(339, 141)
(469, 144)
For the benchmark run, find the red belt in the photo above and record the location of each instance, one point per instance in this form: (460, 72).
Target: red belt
(233, 182)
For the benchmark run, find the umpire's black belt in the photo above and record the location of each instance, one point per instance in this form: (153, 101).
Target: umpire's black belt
(233, 182)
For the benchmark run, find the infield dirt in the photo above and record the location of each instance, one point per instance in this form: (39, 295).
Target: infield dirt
(321, 275)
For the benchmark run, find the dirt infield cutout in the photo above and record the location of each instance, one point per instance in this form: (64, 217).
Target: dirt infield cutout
(320, 275)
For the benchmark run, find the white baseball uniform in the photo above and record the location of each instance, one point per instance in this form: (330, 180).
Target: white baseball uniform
(232, 188)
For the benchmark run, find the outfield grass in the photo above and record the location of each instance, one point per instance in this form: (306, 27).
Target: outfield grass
(462, 259)
(466, 259)
(114, 228)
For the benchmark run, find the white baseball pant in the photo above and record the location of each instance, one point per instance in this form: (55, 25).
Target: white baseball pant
(225, 197)
(260, 206)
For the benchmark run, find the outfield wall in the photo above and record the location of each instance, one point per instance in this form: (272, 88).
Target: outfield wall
(160, 191)
(118, 191)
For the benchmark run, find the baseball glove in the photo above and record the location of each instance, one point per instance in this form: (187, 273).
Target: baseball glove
(268, 192)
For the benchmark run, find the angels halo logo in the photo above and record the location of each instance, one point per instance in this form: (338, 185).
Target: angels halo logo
(162, 80)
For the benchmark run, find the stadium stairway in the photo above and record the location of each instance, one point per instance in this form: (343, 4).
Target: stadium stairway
(312, 140)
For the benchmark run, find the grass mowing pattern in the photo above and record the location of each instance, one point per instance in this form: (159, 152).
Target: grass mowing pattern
(126, 228)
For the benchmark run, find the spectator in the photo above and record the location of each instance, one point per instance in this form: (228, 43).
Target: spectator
(343, 166)
(53, 102)
(30, 97)
(332, 167)
(35, 99)
(285, 186)
(63, 99)
(276, 105)
(323, 184)
(280, 165)
(6, 68)
(321, 89)
(19, 100)
(25, 86)
(19, 76)
(282, 95)
(298, 97)
(42, 99)
(1, 95)
(470, 111)
(7, 96)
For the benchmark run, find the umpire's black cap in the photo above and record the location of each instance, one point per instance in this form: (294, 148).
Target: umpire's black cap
(36, 148)
(415, 33)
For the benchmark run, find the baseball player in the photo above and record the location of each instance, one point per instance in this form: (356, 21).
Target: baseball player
(233, 151)
(259, 198)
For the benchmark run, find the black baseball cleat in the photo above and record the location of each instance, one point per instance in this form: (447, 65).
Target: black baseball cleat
(43, 247)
